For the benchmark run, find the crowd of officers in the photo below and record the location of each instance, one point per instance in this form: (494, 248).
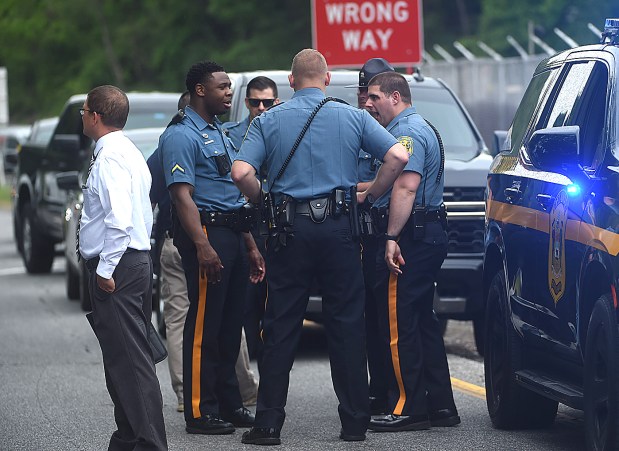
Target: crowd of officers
(311, 189)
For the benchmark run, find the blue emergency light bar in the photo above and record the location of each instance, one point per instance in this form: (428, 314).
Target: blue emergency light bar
(611, 32)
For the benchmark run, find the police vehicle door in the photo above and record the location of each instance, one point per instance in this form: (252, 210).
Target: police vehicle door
(564, 196)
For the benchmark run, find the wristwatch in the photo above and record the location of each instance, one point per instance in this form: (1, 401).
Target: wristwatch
(392, 238)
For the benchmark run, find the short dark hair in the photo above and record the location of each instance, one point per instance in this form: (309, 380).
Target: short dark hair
(200, 73)
(389, 82)
(183, 100)
(111, 103)
(261, 83)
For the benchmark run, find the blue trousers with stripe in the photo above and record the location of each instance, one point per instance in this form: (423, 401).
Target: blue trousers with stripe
(418, 375)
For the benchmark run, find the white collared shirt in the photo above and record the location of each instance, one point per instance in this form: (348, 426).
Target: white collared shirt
(117, 212)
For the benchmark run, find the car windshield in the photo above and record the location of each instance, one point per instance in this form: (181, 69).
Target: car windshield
(151, 115)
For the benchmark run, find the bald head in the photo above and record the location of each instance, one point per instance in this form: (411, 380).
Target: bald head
(309, 69)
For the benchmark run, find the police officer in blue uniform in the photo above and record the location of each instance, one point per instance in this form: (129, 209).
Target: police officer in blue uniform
(313, 237)
(367, 169)
(260, 95)
(411, 254)
(211, 234)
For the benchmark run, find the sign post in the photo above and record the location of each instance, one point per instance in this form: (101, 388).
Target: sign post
(349, 32)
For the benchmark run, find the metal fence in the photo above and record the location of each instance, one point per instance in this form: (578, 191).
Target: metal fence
(491, 90)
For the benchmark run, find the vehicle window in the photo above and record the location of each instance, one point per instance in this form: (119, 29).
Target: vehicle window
(534, 96)
(571, 90)
(154, 116)
(581, 100)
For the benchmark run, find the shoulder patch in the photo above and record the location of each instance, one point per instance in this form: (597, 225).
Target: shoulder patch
(177, 167)
(407, 142)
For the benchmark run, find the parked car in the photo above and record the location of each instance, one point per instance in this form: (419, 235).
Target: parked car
(146, 141)
(39, 204)
(11, 138)
(459, 290)
(550, 253)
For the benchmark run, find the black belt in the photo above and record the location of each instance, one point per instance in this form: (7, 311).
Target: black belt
(303, 208)
(92, 263)
(217, 218)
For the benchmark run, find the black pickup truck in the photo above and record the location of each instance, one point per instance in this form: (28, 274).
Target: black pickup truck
(39, 204)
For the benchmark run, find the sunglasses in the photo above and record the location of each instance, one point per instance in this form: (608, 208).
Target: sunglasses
(268, 103)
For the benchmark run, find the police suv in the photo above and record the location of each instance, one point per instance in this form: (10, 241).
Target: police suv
(551, 243)
(459, 291)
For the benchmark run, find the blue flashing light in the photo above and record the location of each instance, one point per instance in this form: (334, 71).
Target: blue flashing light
(611, 32)
(573, 190)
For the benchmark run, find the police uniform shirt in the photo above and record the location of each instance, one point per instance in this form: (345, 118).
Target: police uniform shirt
(368, 167)
(189, 151)
(117, 213)
(236, 131)
(412, 131)
(327, 156)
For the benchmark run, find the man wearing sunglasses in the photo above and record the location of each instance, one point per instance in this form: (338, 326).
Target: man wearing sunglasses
(261, 94)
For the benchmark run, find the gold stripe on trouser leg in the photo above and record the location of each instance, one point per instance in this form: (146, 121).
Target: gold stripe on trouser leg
(393, 344)
(196, 364)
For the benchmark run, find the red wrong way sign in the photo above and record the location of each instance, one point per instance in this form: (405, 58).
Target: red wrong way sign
(350, 32)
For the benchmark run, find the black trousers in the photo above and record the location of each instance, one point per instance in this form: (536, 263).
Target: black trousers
(377, 350)
(119, 322)
(418, 374)
(325, 251)
(212, 333)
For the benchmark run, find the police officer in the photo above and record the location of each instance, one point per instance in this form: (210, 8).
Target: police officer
(260, 95)
(367, 169)
(313, 237)
(208, 224)
(412, 252)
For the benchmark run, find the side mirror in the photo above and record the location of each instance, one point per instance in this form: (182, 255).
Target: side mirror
(498, 142)
(69, 144)
(555, 149)
(69, 180)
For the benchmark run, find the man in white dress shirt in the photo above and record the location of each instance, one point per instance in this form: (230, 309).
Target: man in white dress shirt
(114, 240)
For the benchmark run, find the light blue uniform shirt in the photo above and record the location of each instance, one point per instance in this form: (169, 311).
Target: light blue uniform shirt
(327, 157)
(188, 152)
(419, 139)
(236, 131)
(368, 166)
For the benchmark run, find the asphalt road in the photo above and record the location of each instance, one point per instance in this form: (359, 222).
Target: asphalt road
(53, 396)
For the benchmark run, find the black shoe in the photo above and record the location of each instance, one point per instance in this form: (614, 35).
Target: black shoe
(378, 406)
(397, 423)
(261, 436)
(240, 417)
(444, 418)
(209, 424)
(351, 437)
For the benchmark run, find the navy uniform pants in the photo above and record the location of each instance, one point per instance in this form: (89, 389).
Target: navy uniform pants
(327, 252)
(418, 374)
(212, 333)
(376, 348)
(119, 320)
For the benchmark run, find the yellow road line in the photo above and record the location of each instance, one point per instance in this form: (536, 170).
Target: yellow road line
(468, 388)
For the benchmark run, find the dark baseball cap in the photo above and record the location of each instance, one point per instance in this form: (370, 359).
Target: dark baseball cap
(372, 67)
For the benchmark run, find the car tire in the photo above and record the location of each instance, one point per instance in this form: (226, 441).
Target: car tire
(73, 282)
(85, 301)
(37, 251)
(601, 391)
(510, 405)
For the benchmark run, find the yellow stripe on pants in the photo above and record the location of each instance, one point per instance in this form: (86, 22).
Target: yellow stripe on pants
(393, 332)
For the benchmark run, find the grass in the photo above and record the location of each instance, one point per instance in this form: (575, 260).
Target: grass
(5, 196)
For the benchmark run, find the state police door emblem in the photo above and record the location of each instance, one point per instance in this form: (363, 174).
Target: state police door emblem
(556, 246)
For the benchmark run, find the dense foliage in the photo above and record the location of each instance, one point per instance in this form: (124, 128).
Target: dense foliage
(55, 48)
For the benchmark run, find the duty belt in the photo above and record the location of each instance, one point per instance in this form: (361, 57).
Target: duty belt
(217, 218)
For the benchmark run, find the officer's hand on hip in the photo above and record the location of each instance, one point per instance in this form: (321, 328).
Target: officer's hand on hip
(393, 257)
(107, 285)
(210, 264)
